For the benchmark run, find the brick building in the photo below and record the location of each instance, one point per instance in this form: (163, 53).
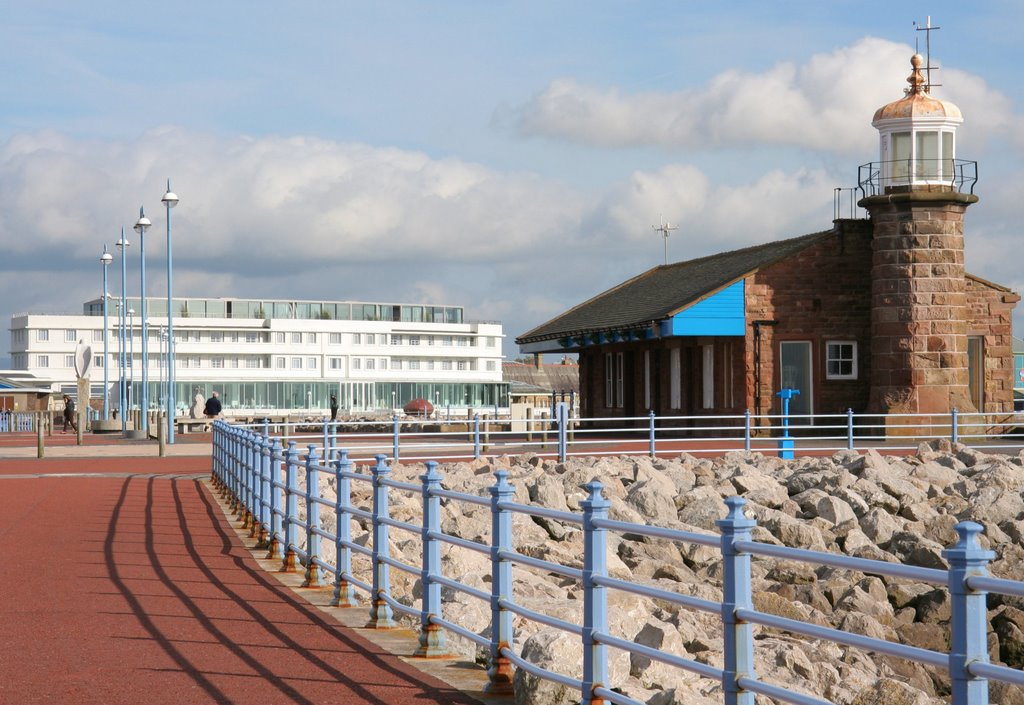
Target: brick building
(874, 314)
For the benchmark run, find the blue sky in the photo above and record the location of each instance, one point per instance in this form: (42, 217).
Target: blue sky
(507, 156)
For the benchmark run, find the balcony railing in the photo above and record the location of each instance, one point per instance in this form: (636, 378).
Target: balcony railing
(956, 175)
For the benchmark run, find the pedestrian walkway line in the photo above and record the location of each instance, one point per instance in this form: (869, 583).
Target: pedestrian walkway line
(116, 475)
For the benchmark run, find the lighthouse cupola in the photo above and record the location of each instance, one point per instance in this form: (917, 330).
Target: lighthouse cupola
(917, 139)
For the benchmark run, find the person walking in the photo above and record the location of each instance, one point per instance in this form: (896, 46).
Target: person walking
(69, 414)
(334, 407)
(213, 408)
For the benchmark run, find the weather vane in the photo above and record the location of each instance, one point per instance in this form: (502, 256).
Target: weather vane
(665, 228)
(927, 29)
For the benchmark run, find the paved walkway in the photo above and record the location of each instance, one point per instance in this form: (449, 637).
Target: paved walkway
(124, 582)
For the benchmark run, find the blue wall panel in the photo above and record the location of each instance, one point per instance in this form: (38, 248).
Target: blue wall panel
(721, 314)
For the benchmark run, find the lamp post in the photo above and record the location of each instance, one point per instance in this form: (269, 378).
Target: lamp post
(170, 200)
(141, 225)
(105, 259)
(131, 350)
(122, 340)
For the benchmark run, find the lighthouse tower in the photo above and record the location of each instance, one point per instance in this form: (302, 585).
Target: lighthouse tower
(919, 360)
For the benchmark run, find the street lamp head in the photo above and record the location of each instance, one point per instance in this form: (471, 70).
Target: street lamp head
(131, 312)
(143, 223)
(170, 198)
(123, 243)
(106, 258)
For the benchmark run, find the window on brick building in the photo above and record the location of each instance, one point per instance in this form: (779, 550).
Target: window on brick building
(976, 370)
(841, 359)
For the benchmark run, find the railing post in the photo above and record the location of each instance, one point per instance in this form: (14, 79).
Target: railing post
(255, 472)
(968, 616)
(380, 611)
(274, 540)
(327, 438)
(849, 429)
(738, 636)
(291, 503)
(245, 469)
(397, 440)
(954, 417)
(432, 642)
(334, 442)
(263, 504)
(563, 431)
(312, 575)
(499, 672)
(476, 435)
(595, 597)
(344, 592)
(746, 430)
(650, 426)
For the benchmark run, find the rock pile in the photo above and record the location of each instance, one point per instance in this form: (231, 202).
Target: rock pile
(899, 509)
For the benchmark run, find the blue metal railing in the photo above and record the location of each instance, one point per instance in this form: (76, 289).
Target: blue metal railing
(18, 421)
(259, 478)
(564, 435)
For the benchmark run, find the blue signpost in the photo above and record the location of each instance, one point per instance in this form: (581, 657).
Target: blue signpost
(786, 442)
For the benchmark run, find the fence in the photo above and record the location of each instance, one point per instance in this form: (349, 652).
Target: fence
(260, 477)
(563, 435)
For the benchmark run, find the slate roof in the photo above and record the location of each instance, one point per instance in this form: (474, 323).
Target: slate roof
(665, 290)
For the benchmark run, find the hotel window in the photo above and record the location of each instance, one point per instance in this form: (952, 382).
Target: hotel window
(217, 336)
(430, 364)
(356, 363)
(217, 362)
(462, 341)
(70, 335)
(396, 364)
(414, 364)
(396, 340)
(194, 336)
(414, 340)
(97, 335)
(97, 361)
(446, 340)
(336, 362)
(370, 339)
(280, 337)
(383, 363)
(370, 363)
(491, 366)
(430, 340)
(233, 337)
(841, 359)
(280, 363)
(446, 364)
(234, 363)
(296, 338)
(310, 337)
(461, 365)
(44, 360)
(252, 363)
(69, 361)
(356, 339)
(311, 363)
(296, 363)
(335, 339)
(42, 335)
(252, 337)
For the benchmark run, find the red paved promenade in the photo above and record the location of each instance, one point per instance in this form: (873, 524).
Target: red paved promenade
(132, 587)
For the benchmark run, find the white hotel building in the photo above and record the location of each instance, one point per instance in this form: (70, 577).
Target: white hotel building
(278, 356)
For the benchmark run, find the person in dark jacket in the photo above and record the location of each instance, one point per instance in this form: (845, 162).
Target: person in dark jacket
(69, 414)
(213, 408)
(334, 408)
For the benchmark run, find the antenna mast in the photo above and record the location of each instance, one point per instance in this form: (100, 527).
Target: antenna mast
(665, 228)
(927, 29)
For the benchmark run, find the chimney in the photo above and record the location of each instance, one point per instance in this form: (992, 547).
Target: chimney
(538, 361)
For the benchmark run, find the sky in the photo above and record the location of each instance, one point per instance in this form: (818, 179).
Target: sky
(509, 157)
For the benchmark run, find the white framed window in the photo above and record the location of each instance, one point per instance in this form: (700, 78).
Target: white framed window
(675, 378)
(296, 338)
(70, 335)
(194, 336)
(396, 364)
(430, 340)
(334, 339)
(383, 363)
(446, 364)
(280, 337)
(296, 363)
(707, 376)
(194, 361)
(335, 362)
(233, 336)
(414, 364)
(462, 341)
(371, 363)
(371, 339)
(414, 340)
(97, 361)
(491, 366)
(69, 361)
(280, 363)
(357, 364)
(310, 338)
(97, 335)
(357, 339)
(43, 335)
(217, 336)
(613, 372)
(446, 341)
(253, 363)
(841, 359)
(252, 337)
(396, 340)
(430, 364)
(311, 363)
(44, 360)
(462, 365)
(217, 362)
(234, 363)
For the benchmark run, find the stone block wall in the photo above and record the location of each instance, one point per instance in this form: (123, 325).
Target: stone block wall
(990, 316)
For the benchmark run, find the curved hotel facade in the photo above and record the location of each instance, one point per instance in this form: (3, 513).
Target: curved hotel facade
(278, 355)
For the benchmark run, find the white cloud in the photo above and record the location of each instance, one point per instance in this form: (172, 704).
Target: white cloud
(822, 104)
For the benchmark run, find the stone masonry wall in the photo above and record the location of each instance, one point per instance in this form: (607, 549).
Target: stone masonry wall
(821, 294)
(990, 316)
